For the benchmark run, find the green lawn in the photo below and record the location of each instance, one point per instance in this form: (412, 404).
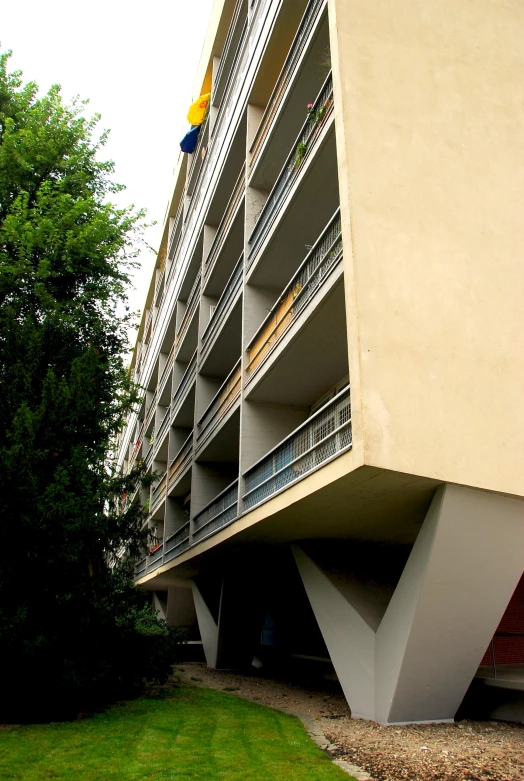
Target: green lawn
(190, 735)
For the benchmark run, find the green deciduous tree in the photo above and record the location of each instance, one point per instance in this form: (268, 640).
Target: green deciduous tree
(68, 610)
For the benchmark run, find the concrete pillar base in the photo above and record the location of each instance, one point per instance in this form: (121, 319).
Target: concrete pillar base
(415, 663)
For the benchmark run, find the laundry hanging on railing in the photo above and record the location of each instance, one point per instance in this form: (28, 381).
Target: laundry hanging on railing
(198, 110)
(190, 139)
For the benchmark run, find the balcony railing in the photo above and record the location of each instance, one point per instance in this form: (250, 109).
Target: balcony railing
(155, 559)
(159, 491)
(187, 380)
(191, 305)
(322, 436)
(197, 158)
(140, 568)
(286, 75)
(150, 410)
(176, 232)
(167, 368)
(227, 48)
(302, 147)
(164, 425)
(177, 543)
(222, 402)
(231, 289)
(221, 511)
(225, 223)
(181, 460)
(325, 255)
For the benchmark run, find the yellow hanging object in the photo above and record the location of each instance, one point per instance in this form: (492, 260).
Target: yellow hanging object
(198, 109)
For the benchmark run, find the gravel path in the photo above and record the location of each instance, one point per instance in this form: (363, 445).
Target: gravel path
(467, 751)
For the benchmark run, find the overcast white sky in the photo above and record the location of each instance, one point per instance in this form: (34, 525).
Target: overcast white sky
(136, 63)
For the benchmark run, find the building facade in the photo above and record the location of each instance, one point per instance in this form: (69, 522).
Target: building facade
(332, 347)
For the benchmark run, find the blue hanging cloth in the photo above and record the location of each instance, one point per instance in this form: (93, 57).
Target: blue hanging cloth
(190, 139)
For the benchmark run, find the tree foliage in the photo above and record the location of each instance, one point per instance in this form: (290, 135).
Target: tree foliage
(68, 610)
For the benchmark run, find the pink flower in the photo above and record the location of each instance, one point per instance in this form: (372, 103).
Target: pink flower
(309, 106)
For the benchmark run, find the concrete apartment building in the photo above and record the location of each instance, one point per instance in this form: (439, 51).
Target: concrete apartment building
(332, 348)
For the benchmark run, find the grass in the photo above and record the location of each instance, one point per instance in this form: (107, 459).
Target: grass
(189, 735)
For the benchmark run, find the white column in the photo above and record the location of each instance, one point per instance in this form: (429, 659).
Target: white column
(208, 627)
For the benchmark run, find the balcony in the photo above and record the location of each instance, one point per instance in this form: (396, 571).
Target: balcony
(177, 543)
(302, 149)
(223, 401)
(217, 514)
(223, 308)
(158, 492)
(226, 222)
(325, 255)
(193, 300)
(180, 462)
(280, 95)
(320, 438)
(185, 384)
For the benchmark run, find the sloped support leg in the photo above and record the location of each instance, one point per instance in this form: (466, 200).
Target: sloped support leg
(418, 662)
(208, 626)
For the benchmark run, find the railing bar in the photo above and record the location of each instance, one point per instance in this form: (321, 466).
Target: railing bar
(190, 437)
(226, 293)
(234, 504)
(304, 263)
(220, 390)
(299, 458)
(215, 413)
(295, 309)
(308, 19)
(185, 526)
(293, 151)
(229, 38)
(216, 498)
(332, 401)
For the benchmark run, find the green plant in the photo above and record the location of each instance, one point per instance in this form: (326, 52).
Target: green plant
(300, 152)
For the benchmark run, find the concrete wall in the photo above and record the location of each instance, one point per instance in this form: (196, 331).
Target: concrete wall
(431, 165)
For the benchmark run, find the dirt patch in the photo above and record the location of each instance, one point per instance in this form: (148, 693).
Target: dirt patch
(466, 751)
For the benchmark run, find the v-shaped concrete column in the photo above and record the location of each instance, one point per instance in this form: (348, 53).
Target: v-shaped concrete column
(416, 663)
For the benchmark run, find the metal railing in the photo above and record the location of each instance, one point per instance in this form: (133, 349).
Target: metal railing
(158, 491)
(219, 512)
(221, 403)
(191, 305)
(155, 559)
(227, 45)
(164, 425)
(324, 256)
(181, 460)
(168, 366)
(176, 230)
(218, 240)
(140, 568)
(317, 118)
(231, 289)
(148, 329)
(185, 383)
(176, 543)
(150, 410)
(197, 154)
(322, 436)
(286, 75)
